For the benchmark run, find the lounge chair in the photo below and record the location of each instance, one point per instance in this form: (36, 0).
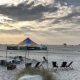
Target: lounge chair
(69, 66)
(28, 65)
(21, 58)
(64, 65)
(37, 65)
(54, 65)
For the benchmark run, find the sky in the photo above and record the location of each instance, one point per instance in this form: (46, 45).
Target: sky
(44, 21)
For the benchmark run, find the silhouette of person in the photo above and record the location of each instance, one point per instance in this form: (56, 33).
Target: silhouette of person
(44, 59)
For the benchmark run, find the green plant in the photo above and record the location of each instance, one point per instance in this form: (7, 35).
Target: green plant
(47, 75)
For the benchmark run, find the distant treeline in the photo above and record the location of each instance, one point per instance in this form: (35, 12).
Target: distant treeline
(25, 48)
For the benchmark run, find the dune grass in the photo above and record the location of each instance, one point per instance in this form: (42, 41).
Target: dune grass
(47, 75)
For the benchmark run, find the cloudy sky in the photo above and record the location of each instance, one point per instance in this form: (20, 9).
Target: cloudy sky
(44, 21)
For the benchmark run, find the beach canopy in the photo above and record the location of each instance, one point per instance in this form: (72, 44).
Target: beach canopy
(28, 42)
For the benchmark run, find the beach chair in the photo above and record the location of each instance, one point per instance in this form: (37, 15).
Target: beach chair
(54, 65)
(69, 66)
(37, 65)
(28, 65)
(64, 65)
(21, 58)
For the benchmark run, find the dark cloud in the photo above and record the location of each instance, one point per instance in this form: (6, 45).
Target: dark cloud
(24, 11)
(74, 14)
(69, 18)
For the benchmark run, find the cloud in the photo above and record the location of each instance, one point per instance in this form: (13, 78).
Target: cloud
(69, 18)
(22, 30)
(50, 20)
(68, 15)
(24, 11)
(12, 31)
(61, 2)
(62, 29)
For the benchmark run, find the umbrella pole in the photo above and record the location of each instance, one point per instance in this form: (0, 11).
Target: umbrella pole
(28, 54)
(47, 57)
(6, 52)
(25, 58)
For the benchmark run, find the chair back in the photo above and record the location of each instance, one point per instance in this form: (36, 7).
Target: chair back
(64, 64)
(69, 63)
(28, 65)
(37, 64)
(54, 64)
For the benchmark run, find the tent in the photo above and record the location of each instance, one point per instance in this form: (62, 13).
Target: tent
(26, 45)
(28, 42)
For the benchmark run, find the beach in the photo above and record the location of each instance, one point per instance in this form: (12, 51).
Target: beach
(53, 54)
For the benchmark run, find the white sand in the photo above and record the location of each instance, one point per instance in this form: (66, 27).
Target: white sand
(53, 55)
(30, 77)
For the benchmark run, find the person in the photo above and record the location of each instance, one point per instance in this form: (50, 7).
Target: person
(45, 60)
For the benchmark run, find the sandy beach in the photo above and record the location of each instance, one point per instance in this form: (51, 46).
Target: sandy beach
(53, 55)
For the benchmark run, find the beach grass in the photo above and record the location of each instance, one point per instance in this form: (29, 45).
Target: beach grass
(46, 74)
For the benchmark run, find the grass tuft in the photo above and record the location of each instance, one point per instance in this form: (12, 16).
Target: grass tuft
(47, 75)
